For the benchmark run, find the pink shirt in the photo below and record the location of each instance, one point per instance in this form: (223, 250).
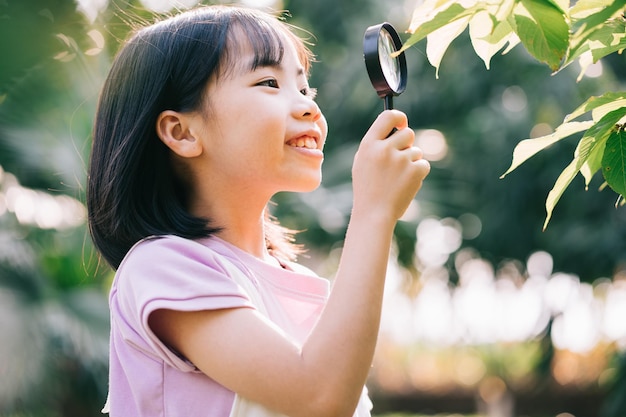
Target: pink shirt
(146, 378)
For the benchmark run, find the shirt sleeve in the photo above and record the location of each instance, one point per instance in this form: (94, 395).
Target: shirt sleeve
(176, 274)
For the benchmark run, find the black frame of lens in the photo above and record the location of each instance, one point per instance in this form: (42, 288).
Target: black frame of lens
(373, 64)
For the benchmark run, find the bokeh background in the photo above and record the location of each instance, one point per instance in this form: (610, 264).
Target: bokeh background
(485, 313)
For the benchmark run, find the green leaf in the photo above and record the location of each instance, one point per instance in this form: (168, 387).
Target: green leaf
(440, 40)
(614, 161)
(560, 185)
(513, 42)
(585, 8)
(598, 133)
(529, 147)
(543, 30)
(606, 39)
(588, 18)
(561, 5)
(426, 21)
(600, 104)
(488, 35)
(595, 136)
(593, 163)
(600, 112)
(610, 38)
(588, 15)
(501, 10)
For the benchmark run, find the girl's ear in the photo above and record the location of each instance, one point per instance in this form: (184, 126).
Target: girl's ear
(173, 128)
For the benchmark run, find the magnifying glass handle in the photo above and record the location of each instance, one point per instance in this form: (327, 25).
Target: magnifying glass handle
(388, 102)
(388, 99)
(394, 130)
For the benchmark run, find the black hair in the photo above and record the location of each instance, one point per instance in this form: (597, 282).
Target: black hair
(133, 190)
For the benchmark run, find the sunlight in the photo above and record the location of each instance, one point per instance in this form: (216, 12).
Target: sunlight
(560, 291)
(475, 302)
(433, 144)
(161, 6)
(437, 239)
(514, 99)
(594, 70)
(510, 306)
(91, 8)
(412, 212)
(434, 314)
(539, 263)
(576, 329)
(541, 129)
(98, 41)
(38, 208)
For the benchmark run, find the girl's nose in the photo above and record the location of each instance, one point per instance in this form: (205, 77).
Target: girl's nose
(307, 108)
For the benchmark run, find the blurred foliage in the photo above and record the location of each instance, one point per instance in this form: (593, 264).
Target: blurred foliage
(616, 402)
(54, 323)
(53, 290)
(556, 35)
(45, 111)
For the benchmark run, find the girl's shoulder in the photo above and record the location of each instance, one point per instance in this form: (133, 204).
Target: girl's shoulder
(176, 269)
(171, 248)
(174, 260)
(167, 256)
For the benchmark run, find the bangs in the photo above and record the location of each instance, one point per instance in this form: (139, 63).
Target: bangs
(267, 39)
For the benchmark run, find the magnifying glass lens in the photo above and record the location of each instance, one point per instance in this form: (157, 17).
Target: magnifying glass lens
(388, 64)
(387, 71)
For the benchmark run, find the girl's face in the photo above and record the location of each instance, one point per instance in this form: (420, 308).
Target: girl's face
(262, 131)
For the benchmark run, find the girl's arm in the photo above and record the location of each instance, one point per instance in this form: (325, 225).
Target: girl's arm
(244, 351)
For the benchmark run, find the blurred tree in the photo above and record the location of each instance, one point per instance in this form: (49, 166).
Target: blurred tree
(54, 323)
(54, 314)
(556, 34)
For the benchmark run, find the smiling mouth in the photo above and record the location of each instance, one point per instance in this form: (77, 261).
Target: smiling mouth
(303, 142)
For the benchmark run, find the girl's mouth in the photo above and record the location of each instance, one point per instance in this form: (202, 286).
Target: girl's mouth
(303, 142)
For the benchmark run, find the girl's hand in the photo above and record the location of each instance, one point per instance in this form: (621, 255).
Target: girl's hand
(387, 171)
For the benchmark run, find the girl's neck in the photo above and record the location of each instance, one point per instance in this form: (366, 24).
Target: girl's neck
(235, 207)
(252, 242)
(243, 227)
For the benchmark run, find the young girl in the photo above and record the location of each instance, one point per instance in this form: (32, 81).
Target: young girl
(203, 118)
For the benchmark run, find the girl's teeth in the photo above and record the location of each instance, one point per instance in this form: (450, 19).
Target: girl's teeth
(303, 143)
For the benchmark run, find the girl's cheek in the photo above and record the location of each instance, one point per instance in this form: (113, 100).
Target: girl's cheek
(323, 124)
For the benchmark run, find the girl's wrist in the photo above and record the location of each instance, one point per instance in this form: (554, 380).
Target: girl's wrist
(373, 219)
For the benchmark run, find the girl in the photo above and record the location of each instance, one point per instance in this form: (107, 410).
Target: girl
(202, 119)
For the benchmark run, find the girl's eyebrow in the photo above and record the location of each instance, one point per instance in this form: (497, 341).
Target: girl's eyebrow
(277, 65)
(253, 66)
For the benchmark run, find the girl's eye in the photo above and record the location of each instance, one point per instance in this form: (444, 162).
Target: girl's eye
(309, 92)
(270, 82)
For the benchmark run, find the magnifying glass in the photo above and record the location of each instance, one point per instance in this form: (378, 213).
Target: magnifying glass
(387, 73)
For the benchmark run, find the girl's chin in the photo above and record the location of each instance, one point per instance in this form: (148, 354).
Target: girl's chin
(307, 187)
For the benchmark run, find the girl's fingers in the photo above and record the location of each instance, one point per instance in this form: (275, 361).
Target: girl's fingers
(402, 139)
(423, 167)
(385, 123)
(416, 153)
